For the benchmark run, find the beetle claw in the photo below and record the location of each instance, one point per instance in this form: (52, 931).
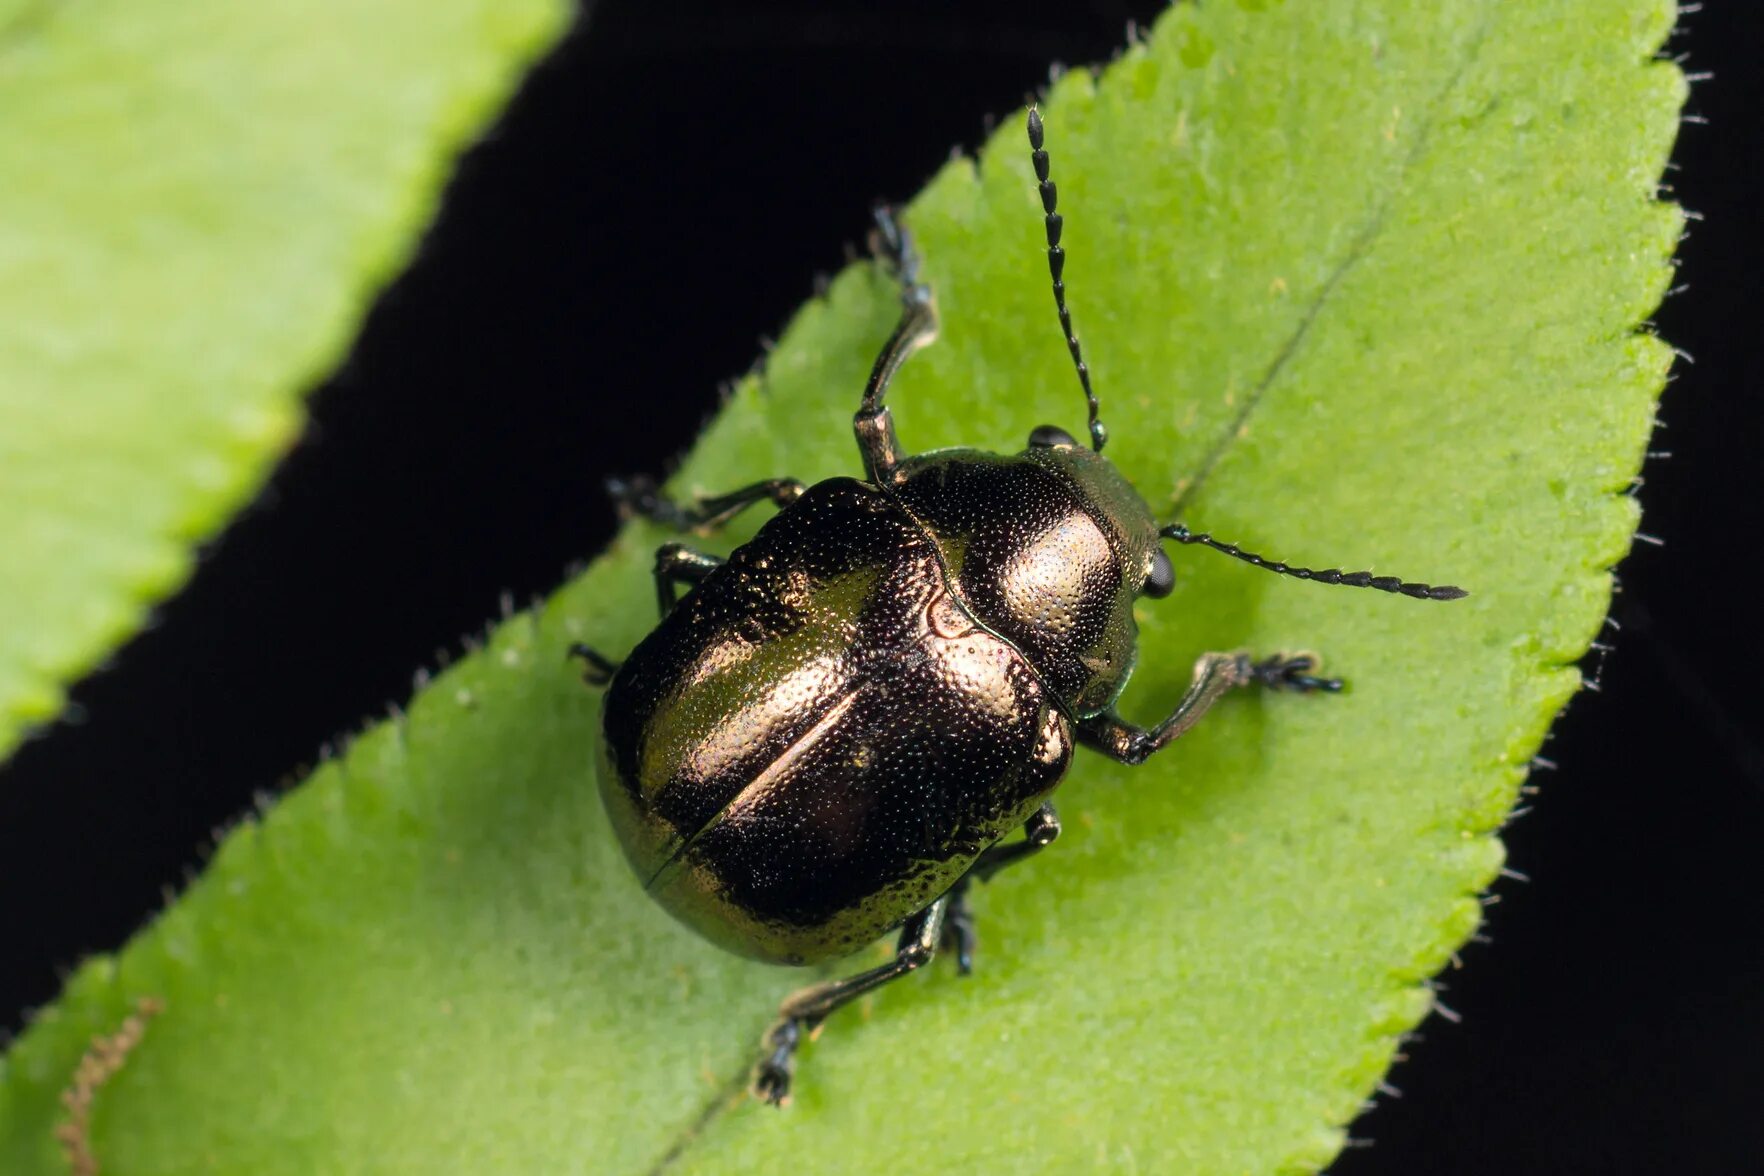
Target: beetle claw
(771, 1078)
(772, 1085)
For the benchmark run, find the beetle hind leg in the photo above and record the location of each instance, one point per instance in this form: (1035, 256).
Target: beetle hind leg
(804, 1010)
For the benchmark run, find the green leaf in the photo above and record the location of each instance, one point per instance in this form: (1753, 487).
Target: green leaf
(200, 201)
(1360, 282)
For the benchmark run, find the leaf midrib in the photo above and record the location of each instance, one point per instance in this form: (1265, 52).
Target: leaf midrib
(1357, 250)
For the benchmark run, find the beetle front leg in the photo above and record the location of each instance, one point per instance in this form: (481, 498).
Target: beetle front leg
(642, 497)
(804, 1010)
(677, 563)
(1215, 674)
(874, 425)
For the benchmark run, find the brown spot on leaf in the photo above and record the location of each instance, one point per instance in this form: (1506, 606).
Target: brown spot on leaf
(97, 1066)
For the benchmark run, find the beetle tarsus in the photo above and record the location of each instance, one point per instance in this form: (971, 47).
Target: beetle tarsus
(1215, 675)
(873, 424)
(771, 1078)
(894, 246)
(806, 1008)
(1290, 673)
(959, 935)
(639, 497)
(597, 669)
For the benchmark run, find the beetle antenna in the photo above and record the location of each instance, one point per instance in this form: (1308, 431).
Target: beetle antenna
(1056, 265)
(1395, 584)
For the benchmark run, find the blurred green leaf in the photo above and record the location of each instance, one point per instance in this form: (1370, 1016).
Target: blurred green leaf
(200, 200)
(1361, 284)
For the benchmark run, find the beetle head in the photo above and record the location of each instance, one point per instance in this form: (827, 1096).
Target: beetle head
(1110, 495)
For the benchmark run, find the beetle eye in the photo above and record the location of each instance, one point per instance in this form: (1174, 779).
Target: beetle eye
(1050, 437)
(1161, 578)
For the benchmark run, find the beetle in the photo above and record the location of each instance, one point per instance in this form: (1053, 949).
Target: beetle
(831, 734)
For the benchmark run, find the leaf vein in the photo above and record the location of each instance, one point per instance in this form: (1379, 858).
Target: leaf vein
(726, 1096)
(1357, 251)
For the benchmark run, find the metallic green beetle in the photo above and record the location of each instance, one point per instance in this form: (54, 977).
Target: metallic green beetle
(831, 734)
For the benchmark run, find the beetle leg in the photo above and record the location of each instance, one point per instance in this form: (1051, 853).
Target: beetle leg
(599, 669)
(959, 935)
(1214, 675)
(676, 562)
(873, 424)
(642, 497)
(803, 1010)
(1039, 832)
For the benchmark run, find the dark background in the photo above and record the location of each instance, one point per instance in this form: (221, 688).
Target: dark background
(672, 153)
